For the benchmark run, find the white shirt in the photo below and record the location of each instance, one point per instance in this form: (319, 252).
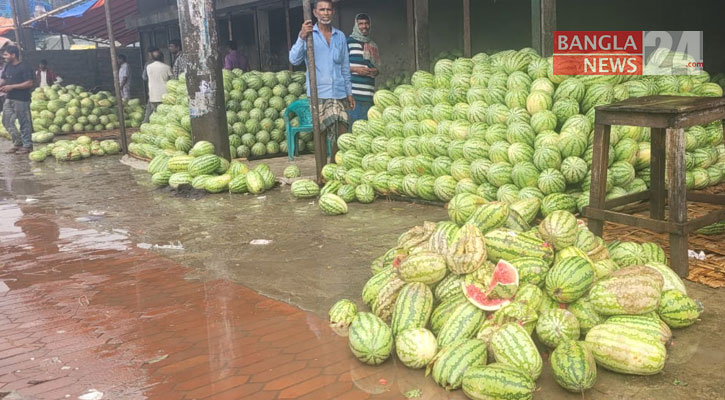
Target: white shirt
(123, 74)
(43, 79)
(158, 74)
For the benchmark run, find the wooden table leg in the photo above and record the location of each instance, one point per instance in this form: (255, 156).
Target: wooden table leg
(657, 174)
(598, 187)
(677, 199)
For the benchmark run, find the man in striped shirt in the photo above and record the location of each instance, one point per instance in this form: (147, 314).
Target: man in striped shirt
(364, 64)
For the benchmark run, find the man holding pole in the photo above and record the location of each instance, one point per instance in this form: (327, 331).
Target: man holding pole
(332, 65)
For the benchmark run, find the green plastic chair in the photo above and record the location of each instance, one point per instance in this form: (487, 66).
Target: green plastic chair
(300, 108)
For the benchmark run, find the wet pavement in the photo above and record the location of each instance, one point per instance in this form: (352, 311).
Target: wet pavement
(110, 284)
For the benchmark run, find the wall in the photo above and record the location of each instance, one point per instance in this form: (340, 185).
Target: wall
(90, 68)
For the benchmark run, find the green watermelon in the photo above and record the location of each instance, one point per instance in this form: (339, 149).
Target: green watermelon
(498, 381)
(370, 339)
(513, 346)
(573, 366)
(415, 347)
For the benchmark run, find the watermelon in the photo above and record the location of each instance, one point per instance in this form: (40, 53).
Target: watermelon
(332, 204)
(426, 267)
(292, 171)
(304, 189)
(415, 347)
(342, 313)
(503, 284)
(557, 326)
(626, 349)
(449, 287)
(508, 245)
(512, 345)
(585, 313)
(370, 339)
(498, 381)
(630, 290)
(646, 323)
(531, 270)
(573, 366)
(678, 310)
(671, 279)
(450, 364)
(569, 279)
(462, 206)
(412, 307)
(463, 323)
(559, 228)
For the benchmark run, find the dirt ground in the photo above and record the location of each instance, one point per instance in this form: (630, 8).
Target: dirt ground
(310, 261)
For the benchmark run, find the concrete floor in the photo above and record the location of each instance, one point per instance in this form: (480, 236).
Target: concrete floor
(311, 262)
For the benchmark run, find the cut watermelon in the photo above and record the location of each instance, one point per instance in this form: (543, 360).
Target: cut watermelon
(500, 291)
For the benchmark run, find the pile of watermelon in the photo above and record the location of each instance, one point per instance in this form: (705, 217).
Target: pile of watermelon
(65, 109)
(504, 127)
(402, 78)
(204, 170)
(255, 104)
(477, 298)
(73, 150)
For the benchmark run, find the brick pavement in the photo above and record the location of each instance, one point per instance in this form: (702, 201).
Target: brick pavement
(103, 314)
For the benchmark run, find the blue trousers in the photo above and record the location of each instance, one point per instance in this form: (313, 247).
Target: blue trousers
(360, 111)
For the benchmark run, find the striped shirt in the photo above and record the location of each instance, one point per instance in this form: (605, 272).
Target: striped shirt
(363, 87)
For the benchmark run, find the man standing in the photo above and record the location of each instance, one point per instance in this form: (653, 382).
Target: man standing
(124, 78)
(17, 80)
(46, 76)
(235, 59)
(158, 74)
(332, 63)
(179, 62)
(364, 65)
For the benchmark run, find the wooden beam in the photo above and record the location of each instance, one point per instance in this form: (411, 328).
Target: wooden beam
(626, 199)
(677, 198)
(288, 28)
(116, 82)
(320, 145)
(536, 25)
(204, 74)
(467, 28)
(264, 42)
(422, 41)
(543, 25)
(410, 19)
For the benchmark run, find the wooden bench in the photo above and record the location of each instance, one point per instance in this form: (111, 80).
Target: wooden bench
(667, 116)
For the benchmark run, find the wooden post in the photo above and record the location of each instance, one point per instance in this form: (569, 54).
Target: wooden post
(410, 8)
(204, 73)
(230, 27)
(467, 28)
(598, 188)
(320, 145)
(265, 51)
(288, 29)
(677, 194)
(657, 174)
(422, 42)
(116, 82)
(543, 25)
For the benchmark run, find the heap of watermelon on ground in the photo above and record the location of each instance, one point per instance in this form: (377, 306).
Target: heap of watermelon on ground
(476, 298)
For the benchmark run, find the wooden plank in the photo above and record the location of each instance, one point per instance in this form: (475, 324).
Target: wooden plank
(657, 174)
(410, 18)
(598, 188)
(548, 26)
(536, 40)
(467, 28)
(288, 29)
(707, 219)
(677, 197)
(632, 220)
(264, 47)
(422, 41)
(626, 199)
(709, 198)
(664, 104)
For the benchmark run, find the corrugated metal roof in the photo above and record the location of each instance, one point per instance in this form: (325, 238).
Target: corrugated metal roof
(89, 20)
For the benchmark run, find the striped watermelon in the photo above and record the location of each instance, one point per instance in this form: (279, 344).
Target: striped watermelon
(604, 268)
(217, 184)
(370, 339)
(512, 345)
(630, 290)
(364, 193)
(452, 361)
(201, 148)
(384, 303)
(463, 323)
(238, 184)
(443, 311)
(626, 350)
(678, 310)
(532, 270)
(671, 279)
(559, 228)
(332, 204)
(255, 182)
(498, 381)
(179, 163)
(179, 178)
(449, 287)
(415, 347)
(376, 282)
(574, 169)
(466, 251)
(426, 267)
(462, 206)
(547, 157)
(573, 366)
(342, 313)
(515, 312)
(524, 174)
(499, 173)
(508, 245)
(557, 326)
(304, 189)
(585, 313)
(529, 295)
(646, 323)
(412, 307)
(527, 208)
(569, 279)
(445, 187)
(558, 201)
(158, 164)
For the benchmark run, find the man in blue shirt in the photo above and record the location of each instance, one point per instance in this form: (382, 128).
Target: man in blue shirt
(332, 62)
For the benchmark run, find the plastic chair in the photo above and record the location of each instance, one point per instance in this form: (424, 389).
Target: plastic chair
(300, 108)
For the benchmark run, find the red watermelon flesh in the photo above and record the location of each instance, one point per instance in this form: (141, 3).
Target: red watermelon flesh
(504, 281)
